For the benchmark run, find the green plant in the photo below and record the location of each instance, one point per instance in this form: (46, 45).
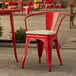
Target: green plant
(3, 5)
(50, 2)
(25, 4)
(20, 35)
(36, 2)
(16, 4)
(40, 2)
(0, 31)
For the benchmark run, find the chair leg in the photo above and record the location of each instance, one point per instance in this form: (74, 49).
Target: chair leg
(46, 7)
(18, 12)
(22, 10)
(48, 46)
(70, 22)
(27, 11)
(31, 10)
(40, 49)
(72, 19)
(49, 7)
(58, 53)
(26, 46)
(61, 6)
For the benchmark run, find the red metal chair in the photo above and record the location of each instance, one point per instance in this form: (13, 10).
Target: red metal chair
(49, 4)
(13, 5)
(41, 5)
(28, 7)
(58, 3)
(45, 37)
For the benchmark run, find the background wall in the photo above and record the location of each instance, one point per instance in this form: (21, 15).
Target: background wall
(0, 0)
(71, 2)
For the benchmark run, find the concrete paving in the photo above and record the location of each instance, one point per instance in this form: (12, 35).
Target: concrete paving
(8, 66)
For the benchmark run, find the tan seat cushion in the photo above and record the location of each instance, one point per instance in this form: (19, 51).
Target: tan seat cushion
(41, 32)
(25, 6)
(13, 6)
(58, 4)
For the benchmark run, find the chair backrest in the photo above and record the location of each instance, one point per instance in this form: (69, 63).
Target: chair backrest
(58, 1)
(27, 3)
(52, 1)
(30, 4)
(48, 1)
(13, 3)
(51, 19)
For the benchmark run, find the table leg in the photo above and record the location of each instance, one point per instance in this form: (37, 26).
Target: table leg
(70, 22)
(13, 35)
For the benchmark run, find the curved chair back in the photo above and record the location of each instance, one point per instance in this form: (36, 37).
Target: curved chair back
(51, 20)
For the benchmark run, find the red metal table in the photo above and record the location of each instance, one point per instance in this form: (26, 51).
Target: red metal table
(9, 12)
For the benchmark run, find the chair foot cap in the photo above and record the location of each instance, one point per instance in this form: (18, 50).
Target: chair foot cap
(22, 67)
(39, 60)
(16, 60)
(49, 70)
(61, 64)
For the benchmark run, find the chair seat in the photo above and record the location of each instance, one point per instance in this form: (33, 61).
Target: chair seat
(50, 4)
(25, 6)
(13, 6)
(32, 6)
(58, 4)
(41, 32)
(28, 7)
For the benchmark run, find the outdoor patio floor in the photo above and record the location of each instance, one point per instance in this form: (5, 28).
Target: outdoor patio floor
(8, 66)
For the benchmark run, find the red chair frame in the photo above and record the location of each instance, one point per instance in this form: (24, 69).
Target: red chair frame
(47, 40)
(41, 5)
(29, 8)
(12, 3)
(49, 5)
(58, 4)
